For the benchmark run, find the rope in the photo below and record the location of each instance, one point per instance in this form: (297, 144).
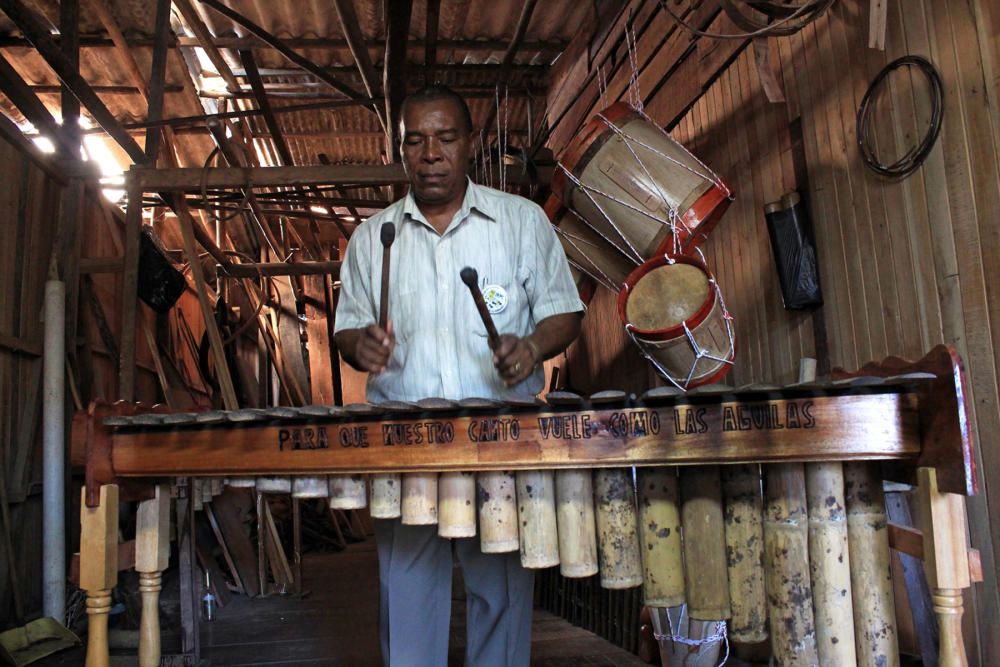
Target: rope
(915, 156)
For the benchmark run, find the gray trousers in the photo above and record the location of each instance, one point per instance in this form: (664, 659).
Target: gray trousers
(415, 574)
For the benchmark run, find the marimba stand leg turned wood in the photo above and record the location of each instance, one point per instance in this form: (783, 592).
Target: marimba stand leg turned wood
(152, 556)
(99, 568)
(946, 562)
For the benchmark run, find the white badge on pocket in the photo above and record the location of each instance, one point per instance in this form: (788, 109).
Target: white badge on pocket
(495, 298)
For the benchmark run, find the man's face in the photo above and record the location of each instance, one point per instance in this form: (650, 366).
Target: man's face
(436, 150)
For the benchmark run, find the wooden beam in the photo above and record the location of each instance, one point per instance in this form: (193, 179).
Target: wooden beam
(211, 329)
(69, 29)
(320, 268)
(508, 57)
(283, 49)
(356, 43)
(48, 89)
(430, 40)
(121, 46)
(246, 56)
(14, 87)
(190, 179)
(157, 77)
(101, 41)
(130, 291)
(200, 120)
(38, 34)
(206, 40)
(397, 29)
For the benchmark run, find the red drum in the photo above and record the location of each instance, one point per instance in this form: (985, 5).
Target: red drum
(637, 188)
(673, 310)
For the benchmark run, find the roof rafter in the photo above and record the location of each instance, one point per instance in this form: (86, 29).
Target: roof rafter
(36, 32)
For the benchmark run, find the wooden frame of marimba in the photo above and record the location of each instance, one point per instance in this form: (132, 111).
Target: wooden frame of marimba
(912, 417)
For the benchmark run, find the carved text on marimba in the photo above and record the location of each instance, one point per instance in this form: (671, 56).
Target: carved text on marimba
(494, 429)
(767, 417)
(303, 438)
(634, 423)
(417, 433)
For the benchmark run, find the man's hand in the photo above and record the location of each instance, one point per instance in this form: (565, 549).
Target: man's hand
(368, 349)
(515, 358)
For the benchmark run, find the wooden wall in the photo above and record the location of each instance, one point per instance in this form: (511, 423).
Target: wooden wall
(34, 192)
(904, 265)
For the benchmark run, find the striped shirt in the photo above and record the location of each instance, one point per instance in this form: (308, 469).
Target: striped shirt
(442, 349)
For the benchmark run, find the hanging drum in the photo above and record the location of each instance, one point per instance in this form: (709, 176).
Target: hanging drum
(673, 310)
(581, 245)
(637, 189)
(590, 257)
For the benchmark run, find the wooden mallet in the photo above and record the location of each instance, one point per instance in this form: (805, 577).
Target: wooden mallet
(388, 235)
(471, 278)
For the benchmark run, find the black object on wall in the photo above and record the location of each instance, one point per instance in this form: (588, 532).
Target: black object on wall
(794, 252)
(160, 284)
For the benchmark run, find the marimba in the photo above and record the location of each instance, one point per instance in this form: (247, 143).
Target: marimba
(911, 418)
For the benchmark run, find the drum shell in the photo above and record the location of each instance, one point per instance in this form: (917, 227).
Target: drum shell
(670, 345)
(587, 252)
(645, 178)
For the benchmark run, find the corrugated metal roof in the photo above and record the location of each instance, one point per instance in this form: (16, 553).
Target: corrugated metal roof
(344, 135)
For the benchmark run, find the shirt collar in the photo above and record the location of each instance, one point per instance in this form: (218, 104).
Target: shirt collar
(475, 200)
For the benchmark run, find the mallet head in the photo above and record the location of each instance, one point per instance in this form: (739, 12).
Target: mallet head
(388, 234)
(470, 276)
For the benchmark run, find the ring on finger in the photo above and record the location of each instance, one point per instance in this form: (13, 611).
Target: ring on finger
(517, 367)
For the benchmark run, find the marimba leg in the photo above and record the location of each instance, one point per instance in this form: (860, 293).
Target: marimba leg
(946, 562)
(99, 568)
(152, 556)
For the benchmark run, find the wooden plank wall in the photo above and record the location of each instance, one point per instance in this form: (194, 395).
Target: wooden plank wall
(27, 195)
(904, 265)
(30, 201)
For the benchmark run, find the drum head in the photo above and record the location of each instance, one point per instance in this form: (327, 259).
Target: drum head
(667, 296)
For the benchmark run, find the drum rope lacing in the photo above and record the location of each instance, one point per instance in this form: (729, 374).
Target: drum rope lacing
(718, 634)
(699, 352)
(604, 279)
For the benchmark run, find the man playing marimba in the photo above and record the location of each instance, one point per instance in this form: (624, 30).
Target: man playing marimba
(435, 345)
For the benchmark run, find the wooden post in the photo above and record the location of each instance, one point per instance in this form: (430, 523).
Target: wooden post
(130, 294)
(152, 555)
(99, 568)
(946, 562)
